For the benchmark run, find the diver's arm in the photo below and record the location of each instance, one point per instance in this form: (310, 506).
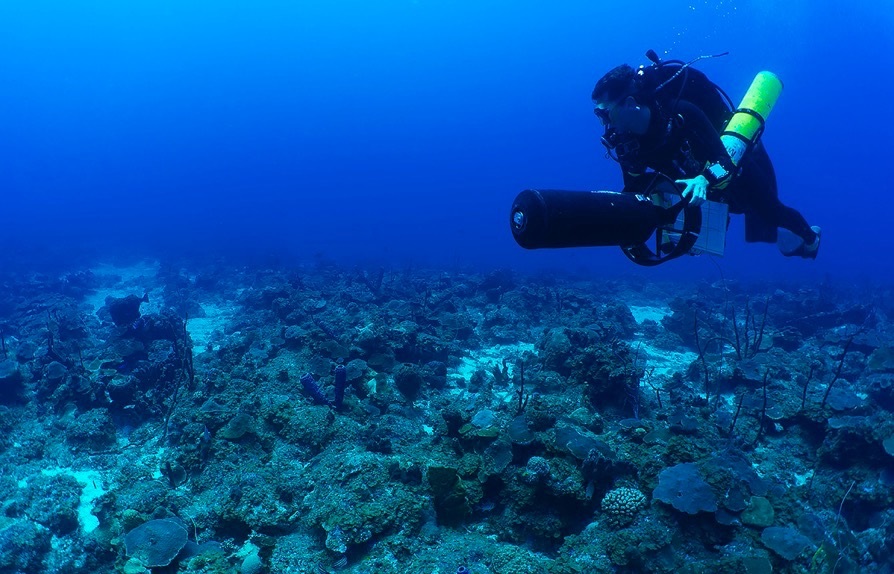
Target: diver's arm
(719, 170)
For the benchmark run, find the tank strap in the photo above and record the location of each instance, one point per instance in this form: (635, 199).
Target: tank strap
(757, 134)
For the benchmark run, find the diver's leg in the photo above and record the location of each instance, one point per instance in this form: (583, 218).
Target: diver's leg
(760, 192)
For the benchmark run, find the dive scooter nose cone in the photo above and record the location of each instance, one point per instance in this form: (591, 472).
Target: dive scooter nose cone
(519, 220)
(558, 218)
(527, 219)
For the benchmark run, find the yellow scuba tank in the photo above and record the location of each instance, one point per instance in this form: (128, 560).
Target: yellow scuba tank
(744, 129)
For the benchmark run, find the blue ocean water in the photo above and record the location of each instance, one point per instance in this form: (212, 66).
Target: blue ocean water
(261, 309)
(400, 131)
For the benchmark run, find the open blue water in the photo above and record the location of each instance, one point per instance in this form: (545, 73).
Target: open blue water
(400, 131)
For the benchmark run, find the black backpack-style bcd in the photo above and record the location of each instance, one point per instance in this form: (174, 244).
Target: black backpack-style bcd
(668, 81)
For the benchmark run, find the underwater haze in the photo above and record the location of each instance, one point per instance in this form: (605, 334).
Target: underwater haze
(261, 309)
(400, 131)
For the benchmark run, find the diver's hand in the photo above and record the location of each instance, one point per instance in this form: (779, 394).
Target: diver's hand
(696, 190)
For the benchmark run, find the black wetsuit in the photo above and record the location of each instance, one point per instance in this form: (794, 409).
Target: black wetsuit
(680, 144)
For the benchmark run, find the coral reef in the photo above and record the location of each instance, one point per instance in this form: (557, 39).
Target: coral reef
(622, 504)
(321, 419)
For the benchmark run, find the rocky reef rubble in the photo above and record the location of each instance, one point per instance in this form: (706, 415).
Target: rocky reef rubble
(491, 422)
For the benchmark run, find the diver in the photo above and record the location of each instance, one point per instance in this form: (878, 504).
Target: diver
(668, 119)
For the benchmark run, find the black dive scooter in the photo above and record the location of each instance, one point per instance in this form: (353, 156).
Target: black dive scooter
(556, 218)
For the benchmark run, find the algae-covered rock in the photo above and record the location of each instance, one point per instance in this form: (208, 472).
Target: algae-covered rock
(53, 501)
(55, 372)
(888, 444)
(93, 430)
(757, 565)
(759, 512)
(881, 360)
(484, 418)
(519, 432)
(451, 503)
(488, 433)
(355, 493)
(157, 542)
(579, 442)
(238, 426)
(23, 544)
(682, 487)
(409, 380)
(784, 541)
